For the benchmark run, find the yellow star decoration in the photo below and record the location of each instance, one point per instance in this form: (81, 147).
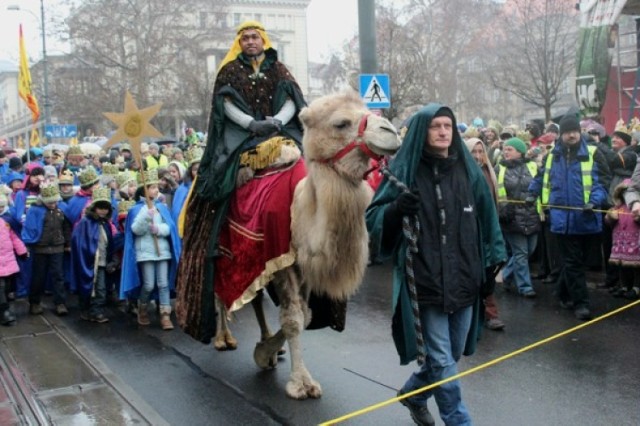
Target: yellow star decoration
(133, 125)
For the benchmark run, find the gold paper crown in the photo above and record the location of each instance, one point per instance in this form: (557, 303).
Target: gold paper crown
(524, 135)
(193, 155)
(75, 151)
(124, 206)
(495, 124)
(101, 195)
(49, 192)
(125, 147)
(150, 177)
(110, 169)
(5, 190)
(66, 178)
(634, 125)
(622, 128)
(124, 178)
(471, 132)
(88, 176)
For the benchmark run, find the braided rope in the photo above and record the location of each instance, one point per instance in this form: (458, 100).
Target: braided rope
(410, 230)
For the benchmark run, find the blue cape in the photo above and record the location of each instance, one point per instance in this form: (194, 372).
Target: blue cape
(75, 205)
(179, 198)
(84, 245)
(32, 227)
(131, 274)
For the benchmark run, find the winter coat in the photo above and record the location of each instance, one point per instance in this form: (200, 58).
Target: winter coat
(10, 244)
(145, 242)
(489, 243)
(517, 217)
(566, 189)
(621, 164)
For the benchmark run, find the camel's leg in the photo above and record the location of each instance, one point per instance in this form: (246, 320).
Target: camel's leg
(258, 309)
(223, 340)
(294, 317)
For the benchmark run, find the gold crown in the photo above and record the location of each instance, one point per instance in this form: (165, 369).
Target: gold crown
(634, 125)
(66, 178)
(110, 169)
(495, 124)
(124, 206)
(622, 128)
(75, 151)
(124, 178)
(49, 192)
(101, 195)
(471, 132)
(88, 176)
(148, 177)
(125, 147)
(524, 135)
(193, 155)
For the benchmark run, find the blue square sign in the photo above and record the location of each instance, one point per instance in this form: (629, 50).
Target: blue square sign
(375, 91)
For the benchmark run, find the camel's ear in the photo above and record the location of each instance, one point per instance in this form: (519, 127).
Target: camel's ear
(305, 117)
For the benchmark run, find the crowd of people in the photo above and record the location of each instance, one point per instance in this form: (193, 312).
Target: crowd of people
(485, 199)
(73, 223)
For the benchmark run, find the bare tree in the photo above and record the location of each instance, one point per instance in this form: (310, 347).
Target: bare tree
(423, 46)
(535, 55)
(152, 48)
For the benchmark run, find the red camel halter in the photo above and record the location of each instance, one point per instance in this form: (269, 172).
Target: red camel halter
(357, 142)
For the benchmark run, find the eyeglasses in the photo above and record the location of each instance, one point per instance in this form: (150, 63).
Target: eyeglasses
(594, 133)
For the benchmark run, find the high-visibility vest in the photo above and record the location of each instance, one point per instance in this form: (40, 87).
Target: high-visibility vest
(586, 167)
(502, 191)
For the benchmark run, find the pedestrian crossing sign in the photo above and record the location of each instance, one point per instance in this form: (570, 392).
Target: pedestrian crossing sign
(374, 90)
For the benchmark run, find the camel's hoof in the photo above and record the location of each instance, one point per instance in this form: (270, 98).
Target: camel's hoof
(232, 342)
(263, 358)
(308, 388)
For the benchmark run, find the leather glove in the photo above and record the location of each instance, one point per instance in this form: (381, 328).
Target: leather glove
(588, 208)
(407, 203)
(530, 201)
(154, 229)
(263, 127)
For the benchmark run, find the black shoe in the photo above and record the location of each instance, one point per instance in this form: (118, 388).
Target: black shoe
(539, 276)
(419, 414)
(582, 313)
(99, 318)
(550, 280)
(8, 318)
(566, 305)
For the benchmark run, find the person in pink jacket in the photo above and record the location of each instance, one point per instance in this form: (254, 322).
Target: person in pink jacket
(10, 244)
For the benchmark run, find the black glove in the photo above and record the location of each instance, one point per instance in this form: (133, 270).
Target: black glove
(407, 203)
(588, 208)
(264, 127)
(530, 201)
(507, 213)
(23, 256)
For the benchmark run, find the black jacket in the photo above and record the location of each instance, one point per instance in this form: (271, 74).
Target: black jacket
(517, 217)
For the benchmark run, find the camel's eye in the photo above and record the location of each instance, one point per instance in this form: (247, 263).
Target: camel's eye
(341, 125)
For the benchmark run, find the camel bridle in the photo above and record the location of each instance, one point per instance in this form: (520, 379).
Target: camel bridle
(357, 142)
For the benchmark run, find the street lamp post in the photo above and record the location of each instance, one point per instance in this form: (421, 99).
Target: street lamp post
(45, 71)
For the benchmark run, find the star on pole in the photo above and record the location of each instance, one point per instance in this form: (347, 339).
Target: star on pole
(133, 125)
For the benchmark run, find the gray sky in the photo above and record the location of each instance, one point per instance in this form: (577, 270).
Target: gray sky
(329, 23)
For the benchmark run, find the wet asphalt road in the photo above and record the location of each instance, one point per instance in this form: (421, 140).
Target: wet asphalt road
(590, 377)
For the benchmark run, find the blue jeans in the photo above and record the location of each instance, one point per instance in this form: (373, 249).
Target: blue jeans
(445, 336)
(155, 272)
(517, 267)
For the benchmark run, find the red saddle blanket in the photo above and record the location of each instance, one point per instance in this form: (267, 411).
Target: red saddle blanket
(255, 238)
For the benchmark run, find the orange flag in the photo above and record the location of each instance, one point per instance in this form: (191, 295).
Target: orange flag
(24, 82)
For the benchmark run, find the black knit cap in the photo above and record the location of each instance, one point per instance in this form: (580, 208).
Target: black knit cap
(569, 123)
(624, 136)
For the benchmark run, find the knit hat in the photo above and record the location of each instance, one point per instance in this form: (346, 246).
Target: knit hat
(552, 128)
(569, 123)
(154, 146)
(101, 197)
(150, 177)
(49, 193)
(15, 162)
(66, 178)
(88, 177)
(13, 176)
(517, 144)
(178, 165)
(125, 147)
(50, 172)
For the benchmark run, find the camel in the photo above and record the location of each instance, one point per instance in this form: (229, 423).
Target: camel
(328, 232)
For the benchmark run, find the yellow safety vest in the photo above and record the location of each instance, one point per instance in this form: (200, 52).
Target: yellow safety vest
(586, 167)
(502, 192)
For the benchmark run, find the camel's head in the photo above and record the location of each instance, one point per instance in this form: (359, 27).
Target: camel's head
(339, 130)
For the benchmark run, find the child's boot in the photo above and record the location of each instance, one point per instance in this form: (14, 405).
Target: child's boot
(7, 317)
(143, 315)
(165, 317)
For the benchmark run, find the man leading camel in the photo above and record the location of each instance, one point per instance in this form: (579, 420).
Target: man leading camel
(458, 237)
